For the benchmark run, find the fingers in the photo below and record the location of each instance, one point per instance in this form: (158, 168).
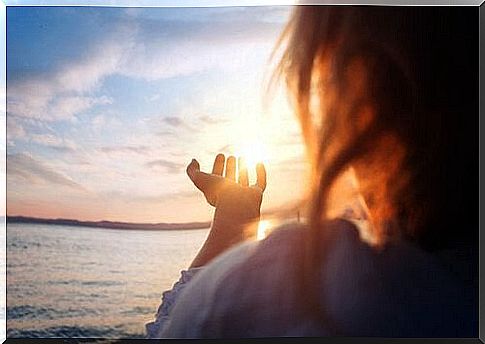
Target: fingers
(261, 176)
(205, 182)
(231, 168)
(218, 166)
(243, 172)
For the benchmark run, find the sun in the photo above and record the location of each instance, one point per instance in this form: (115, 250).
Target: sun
(253, 151)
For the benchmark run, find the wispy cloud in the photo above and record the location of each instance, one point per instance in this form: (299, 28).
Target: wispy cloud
(168, 166)
(142, 150)
(225, 148)
(174, 121)
(34, 171)
(55, 142)
(64, 92)
(151, 199)
(140, 48)
(46, 100)
(120, 100)
(181, 47)
(165, 133)
(212, 119)
(14, 130)
(65, 108)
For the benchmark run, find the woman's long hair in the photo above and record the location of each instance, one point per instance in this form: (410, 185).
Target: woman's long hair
(392, 92)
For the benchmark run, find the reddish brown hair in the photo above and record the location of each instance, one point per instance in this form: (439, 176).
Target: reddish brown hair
(397, 90)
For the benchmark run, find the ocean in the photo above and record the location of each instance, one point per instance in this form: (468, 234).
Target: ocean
(67, 281)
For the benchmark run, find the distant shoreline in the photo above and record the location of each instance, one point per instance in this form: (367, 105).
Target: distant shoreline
(110, 224)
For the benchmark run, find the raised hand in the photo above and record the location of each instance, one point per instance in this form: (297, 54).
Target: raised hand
(237, 203)
(215, 186)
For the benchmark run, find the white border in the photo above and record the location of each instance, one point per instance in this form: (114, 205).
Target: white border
(228, 3)
(145, 3)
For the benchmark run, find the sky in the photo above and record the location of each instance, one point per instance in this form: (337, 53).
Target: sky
(107, 106)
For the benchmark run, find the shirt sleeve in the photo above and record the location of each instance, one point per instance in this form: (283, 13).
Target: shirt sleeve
(169, 298)
(190, 316)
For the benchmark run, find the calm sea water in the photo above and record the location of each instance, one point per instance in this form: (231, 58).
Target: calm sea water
(67, 281)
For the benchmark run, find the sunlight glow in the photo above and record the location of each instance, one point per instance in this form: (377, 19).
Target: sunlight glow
(253, 152)
(263, 226)
(249, 135)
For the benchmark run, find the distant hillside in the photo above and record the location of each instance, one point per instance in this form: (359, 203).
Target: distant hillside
(109, 224)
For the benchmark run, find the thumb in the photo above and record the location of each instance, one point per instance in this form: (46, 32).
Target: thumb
(192, 170)
(201, 180)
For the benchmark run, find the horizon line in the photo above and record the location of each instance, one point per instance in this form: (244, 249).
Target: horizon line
(99, 221)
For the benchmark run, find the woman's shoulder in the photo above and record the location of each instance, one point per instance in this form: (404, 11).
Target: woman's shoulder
(263, 281)
(362, 286)
(253, 289)
(285, 244)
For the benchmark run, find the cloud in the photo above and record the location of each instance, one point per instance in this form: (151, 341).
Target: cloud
(168, 126)
(64, 92)
(34, 131)
(170, 48)
(67, 107)
(55, 142)
(140, 149)
(109, 120)
(173, 121)
(226, 148)
(212, 119)
(168, 166)
(44, 100)
(88, 73)
(14, 130)
(165, 133)
(34, 171)
(146, 48)
(79, 89)
(98, 122)
(163, 197)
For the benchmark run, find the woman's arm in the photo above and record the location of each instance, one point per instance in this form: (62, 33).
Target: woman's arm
(237, 204)
(235, 219)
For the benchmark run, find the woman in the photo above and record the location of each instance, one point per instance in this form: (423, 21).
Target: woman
(390, 93)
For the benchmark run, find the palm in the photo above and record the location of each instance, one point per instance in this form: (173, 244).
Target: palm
(214, 185)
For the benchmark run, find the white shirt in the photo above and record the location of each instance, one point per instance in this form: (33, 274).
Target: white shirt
(251, 290)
